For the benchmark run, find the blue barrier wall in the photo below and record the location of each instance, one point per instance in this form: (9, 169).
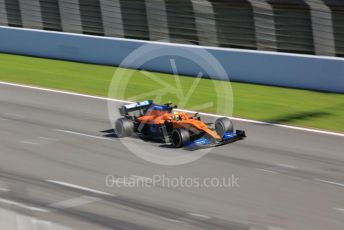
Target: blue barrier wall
(290, 70)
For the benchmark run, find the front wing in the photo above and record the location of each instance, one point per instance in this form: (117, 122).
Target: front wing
(207, 142)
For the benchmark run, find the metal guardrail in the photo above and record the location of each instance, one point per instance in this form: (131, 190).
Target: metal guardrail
(296, 26)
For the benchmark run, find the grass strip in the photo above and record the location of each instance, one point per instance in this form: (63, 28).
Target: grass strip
(266, 103)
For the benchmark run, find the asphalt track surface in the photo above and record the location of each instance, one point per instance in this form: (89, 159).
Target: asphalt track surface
(54, 159)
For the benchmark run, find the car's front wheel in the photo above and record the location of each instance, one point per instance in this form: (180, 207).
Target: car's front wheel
(223, 125)
(180, 137)
(124, 127)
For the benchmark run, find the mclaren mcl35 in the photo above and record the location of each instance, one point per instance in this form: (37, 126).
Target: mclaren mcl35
(180, 129)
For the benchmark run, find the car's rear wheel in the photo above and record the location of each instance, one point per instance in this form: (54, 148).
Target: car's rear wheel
(124, 127)
(180, 137)
(223, 125)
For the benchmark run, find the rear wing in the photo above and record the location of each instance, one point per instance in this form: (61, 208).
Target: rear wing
(142, 106)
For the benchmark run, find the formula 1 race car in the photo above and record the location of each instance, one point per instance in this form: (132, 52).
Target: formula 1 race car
(160, 122)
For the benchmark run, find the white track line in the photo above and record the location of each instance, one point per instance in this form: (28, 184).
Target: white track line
(74, 202)
(339, 209)
(174, 220)
(48, 138)
(20, 205)
(286, 166)
(330, 182)
(29, 142)
(199, 215)
(83, 134)
(79, 187)
(60, 91)
(267, 170)
(206, 114)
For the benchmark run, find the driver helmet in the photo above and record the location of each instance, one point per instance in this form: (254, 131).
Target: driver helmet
(176, 116)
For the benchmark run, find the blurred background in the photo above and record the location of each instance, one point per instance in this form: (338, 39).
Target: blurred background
(57, 146)
(295, 26)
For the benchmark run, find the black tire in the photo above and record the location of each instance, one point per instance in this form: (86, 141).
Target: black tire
(223, 125)
(180, 137)
(124, 127)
